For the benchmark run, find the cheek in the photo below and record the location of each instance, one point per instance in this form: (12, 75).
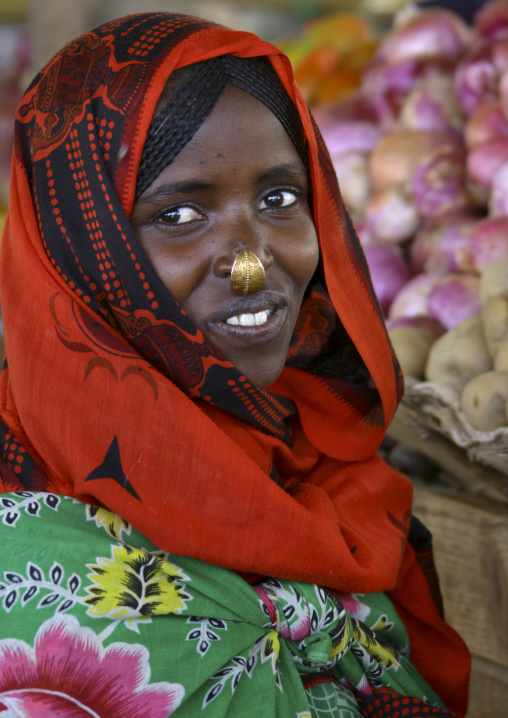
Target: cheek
(303, 258)
(180, 272)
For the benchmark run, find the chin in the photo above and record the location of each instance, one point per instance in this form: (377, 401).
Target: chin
(262, 379)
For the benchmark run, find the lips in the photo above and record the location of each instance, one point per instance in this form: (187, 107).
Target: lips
(250, 319)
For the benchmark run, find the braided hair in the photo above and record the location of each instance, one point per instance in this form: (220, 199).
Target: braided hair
(192, 93)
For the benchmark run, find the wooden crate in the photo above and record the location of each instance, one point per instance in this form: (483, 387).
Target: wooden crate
(466, 509)
(471, 552)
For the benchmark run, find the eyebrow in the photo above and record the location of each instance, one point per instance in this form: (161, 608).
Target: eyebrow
(174, 188)
(291, 170)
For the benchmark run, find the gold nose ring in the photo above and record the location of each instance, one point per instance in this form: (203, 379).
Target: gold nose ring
(247, 273)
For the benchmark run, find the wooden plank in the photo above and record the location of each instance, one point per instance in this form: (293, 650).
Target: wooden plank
(488, 693)
(469, 475)
(471, 552)
(470, 536)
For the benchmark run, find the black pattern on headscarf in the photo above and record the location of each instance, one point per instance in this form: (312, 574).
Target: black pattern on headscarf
(192, 103)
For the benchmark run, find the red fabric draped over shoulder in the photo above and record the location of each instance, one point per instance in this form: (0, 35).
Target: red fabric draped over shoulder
(111, 395)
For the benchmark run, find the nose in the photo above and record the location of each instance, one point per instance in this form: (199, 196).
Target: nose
(240, 236)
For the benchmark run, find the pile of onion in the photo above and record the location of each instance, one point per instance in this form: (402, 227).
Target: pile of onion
(421, 153)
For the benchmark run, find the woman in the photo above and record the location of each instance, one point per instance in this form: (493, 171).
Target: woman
(196, 357)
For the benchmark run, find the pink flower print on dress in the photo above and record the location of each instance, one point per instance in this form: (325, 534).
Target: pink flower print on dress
(354, 606)
(68, 672)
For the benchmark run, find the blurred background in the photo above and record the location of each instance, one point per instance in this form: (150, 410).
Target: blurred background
(31, 31)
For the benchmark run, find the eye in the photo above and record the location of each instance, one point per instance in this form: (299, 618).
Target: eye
(278, 199)
(179, 215)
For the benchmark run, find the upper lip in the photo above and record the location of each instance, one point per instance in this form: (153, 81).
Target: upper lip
(265, 300)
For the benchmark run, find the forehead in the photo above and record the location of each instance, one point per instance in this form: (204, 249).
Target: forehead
(240, 130)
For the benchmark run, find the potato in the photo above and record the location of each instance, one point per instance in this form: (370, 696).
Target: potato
(495, 322)
(459, 355)
(484, 400)
(411, 345)
(494, 280)
(501, 360)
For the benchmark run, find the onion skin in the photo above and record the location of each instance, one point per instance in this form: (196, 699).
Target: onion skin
(500, 54)
(476, 79)
(388, 271)
(503, 92)
(351, 135)
(364, 234)
(489, 242)
(411, 300)
(492, 19)
(398, 153)
(484, 161)
(487, 123)
(352, 171)
(436, 32)
(498, 199)
(444, 246)
(391, 216)
(432, 105)
(454, 299)
(438, 182)
(387, 84)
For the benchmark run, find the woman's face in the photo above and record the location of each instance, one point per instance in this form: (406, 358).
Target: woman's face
(238, 183)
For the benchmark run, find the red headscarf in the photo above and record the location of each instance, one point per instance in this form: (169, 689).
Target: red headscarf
(111, 395)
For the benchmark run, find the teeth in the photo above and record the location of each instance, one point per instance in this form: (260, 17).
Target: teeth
(249, 320)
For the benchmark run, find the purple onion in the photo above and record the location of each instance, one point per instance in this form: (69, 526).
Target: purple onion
(432, 105)
(391, 216)
(476, 78)
(352, 170)
(489, 242)
(444, 246)
(364, 234)
(454, 299)
(485, 160)
(438, 183)
(498, 199)
(432, 32)
(487, 123)
(388, 271)
(492, 20)
(351, 135)
(387, 86)
(411, 299)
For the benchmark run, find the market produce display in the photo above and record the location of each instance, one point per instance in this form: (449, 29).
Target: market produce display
(421, 152)
(330, 56)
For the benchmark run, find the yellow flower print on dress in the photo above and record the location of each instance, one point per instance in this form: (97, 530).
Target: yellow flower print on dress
(112, 523)
(383, 654)
(134, 585)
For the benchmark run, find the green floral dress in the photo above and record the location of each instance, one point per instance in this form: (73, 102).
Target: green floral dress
(97, 621)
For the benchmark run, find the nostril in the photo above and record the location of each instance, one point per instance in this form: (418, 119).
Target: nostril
(223, 266)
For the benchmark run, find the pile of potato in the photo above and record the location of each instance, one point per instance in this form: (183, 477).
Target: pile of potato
(471, 358)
